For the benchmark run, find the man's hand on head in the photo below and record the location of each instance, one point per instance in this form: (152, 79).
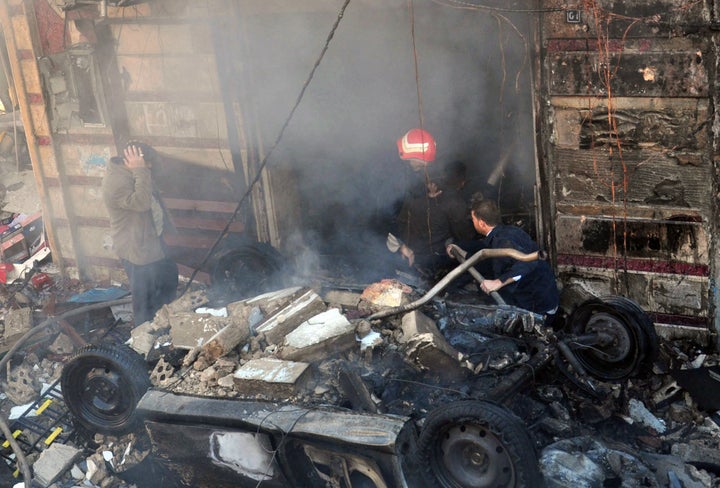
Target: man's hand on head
(134, 158)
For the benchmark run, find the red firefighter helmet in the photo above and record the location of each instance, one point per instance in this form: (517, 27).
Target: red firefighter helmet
(417, 144)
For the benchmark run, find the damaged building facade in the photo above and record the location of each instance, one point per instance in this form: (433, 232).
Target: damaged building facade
(592, 125)
(606, 110)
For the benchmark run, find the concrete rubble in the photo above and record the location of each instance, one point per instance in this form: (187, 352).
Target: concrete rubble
(308, 346)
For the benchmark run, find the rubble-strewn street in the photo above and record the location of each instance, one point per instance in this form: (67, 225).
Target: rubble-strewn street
(359, 244)
(318, 350)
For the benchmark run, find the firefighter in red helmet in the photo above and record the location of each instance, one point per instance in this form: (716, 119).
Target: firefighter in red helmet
(431, 214)
(418, 147)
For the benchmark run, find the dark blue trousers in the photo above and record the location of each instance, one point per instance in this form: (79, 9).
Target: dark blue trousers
(152, 286)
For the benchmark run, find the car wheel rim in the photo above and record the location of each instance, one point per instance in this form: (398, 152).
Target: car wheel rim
(621, 345)
(624, 349)
(473, 456)
(102, 394)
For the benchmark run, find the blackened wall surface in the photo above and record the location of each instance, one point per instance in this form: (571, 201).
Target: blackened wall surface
(628, 151)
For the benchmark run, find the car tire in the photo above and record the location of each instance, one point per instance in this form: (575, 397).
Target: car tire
(102, 385)
(475, 444)
(249, 269)
(634, 348)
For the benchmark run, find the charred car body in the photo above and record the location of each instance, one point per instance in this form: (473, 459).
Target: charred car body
(422, 398)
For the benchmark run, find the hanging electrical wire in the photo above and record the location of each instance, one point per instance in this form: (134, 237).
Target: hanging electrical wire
(429, 185)
(606, 55)
(411, 10)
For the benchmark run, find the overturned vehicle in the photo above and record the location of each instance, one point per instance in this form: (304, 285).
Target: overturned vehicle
(385, 386)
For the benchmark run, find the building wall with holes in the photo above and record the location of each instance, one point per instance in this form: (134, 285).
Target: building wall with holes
(628, 152)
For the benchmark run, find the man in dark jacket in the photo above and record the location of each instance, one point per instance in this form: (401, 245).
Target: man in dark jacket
(430, 214)
(530, 285)
(136, 223)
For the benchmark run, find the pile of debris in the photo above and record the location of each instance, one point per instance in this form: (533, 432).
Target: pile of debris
(312, 347)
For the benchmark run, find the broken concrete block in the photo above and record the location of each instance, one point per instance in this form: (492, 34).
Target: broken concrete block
(285, 320)
(62, 345)
(679, 412)
(122, 312)
(189, 329)
(227, 381)
(574, 468)
(555, 427)
(21, 385)
(240, 311)
(236, 332)
(415, 323)
(96, 468)
(320, 336)
(188, 302)
(271, 377)
(272, 301)
(666, 467)
(426, 347)
(386, 293)
(343, 298)
(162, 373)
(697, 454)
(144, 337)
(209, 377)
(226, 365)
(77, 473)
(423, 352)
(255, 310)
(17, 322)
(142, 342)
(667, 392)
(53, 463)
(640, 414)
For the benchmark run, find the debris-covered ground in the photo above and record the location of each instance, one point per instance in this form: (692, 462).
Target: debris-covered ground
(643, 414)
(320, 346)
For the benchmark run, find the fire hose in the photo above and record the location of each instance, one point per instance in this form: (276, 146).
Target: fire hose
(459, 254)
(463, 267)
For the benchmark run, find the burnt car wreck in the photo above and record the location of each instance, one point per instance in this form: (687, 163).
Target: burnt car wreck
(386, 386)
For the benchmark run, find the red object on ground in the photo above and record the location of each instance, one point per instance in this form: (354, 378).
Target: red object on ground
(41, 280)
(5, 268)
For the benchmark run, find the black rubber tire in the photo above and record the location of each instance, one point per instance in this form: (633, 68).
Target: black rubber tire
(102, 385)
(476, 444)
(636, 346)
(249, 269)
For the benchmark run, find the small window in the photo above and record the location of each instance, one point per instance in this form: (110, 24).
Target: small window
(84, 83)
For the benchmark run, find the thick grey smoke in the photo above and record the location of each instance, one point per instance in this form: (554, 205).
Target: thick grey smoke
(341, 141)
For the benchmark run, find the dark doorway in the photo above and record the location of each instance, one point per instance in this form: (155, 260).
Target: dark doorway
(472, 86)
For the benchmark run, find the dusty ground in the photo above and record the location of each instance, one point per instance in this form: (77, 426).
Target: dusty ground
(609, 440)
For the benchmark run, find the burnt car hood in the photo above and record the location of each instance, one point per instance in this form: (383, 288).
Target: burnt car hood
(229, 442)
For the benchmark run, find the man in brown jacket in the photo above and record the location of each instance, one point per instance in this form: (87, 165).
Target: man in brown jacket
(136, 223)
